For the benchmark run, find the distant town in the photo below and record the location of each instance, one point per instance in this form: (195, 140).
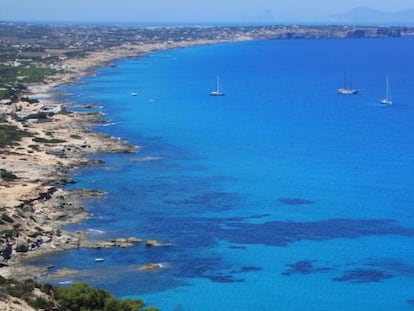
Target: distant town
(29, 53)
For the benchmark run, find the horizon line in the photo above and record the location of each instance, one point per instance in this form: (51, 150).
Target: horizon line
(207, 23)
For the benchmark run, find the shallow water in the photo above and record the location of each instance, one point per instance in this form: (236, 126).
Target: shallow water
(280, 195)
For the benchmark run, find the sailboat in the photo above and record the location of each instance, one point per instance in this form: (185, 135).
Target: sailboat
(387, 100)
(217, 91)
(347, 89)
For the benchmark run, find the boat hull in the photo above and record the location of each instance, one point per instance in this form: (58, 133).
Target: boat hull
(344, 91)
(385, 102)
(216, 93)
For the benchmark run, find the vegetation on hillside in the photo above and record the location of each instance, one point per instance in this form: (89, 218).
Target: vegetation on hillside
(48, 141)
(78, 297)
(10, 134)
(14, 78)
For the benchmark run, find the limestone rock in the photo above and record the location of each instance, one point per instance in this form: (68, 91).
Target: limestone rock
(151, 267)
(21, 246)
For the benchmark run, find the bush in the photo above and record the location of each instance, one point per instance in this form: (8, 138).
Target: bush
(74, 136)
(10, 134)
(78, 297)
(48, 141)
(40, 303)
(8, 233)
(84, 297)
(77, 53)
(22, 289)
(38, 115)
(6, 175)
(7, 218)
(34, 147)
(29, 100)
(46, 288)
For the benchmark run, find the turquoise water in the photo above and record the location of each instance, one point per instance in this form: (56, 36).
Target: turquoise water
(280, 195)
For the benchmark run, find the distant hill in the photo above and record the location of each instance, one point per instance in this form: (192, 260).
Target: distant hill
(370, 16)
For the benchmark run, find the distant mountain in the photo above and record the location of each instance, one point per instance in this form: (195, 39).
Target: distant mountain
(370, 16)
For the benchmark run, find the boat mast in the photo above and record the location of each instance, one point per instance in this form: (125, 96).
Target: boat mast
(345, 80)
(387, 88)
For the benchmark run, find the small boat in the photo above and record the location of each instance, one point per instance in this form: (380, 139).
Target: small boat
(387, 100)
(133, 94)
(347, 89)
(217, 91)
(99, 259)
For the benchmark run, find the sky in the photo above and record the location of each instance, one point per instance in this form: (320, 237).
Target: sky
(190, 11)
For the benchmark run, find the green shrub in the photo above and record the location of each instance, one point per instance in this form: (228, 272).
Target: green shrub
(38, 115)
(7, 218)
(40, 303)
(84, 297)
(78, 297)
(48, 141)
(34, 75)
(8, 233)
(77, 53)
(34, 147)
(10, 134)
(46, 288)
(22, 289)
(29, 100)
(6, 175)
(74, 136)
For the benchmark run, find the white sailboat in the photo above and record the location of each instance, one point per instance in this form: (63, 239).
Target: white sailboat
(347, 89)
(387, 100)
(217, 91)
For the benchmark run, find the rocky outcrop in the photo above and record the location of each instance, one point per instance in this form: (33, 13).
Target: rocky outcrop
(156, 243)
(151, 267)
(120, 242)
(22, 246)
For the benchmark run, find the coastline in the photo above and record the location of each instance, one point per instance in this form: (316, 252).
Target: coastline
(35, 198)
(230, 234)
(78, 67)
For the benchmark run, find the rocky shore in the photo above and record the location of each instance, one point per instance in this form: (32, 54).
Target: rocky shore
(33, 206)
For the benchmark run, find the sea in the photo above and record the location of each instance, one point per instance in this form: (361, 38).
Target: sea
(279, 195)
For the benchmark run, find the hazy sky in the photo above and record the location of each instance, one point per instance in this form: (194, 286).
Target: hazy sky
(187, 10)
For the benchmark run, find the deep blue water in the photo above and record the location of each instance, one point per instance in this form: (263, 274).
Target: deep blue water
(280, 195)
